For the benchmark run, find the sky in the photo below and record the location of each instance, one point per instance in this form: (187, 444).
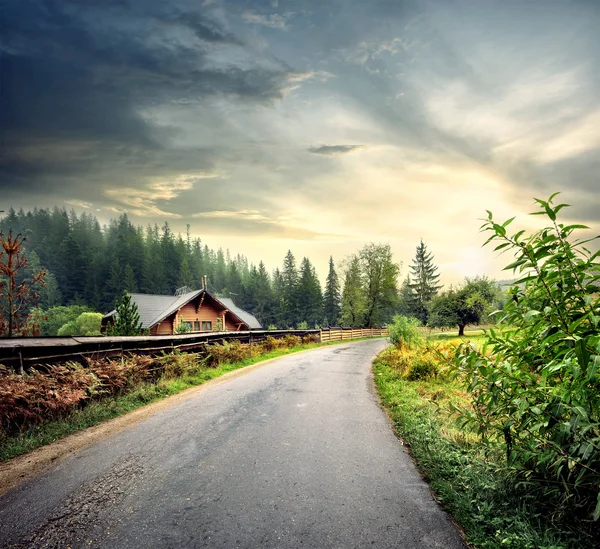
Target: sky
(310, 125)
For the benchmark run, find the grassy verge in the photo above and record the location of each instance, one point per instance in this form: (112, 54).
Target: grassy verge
(113, 406)
(468, 479)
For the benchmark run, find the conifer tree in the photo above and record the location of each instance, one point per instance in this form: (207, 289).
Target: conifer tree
(424, 282)
(310, 297)
(127, 322)
(235, 286)
(331, 296)
(289, 296)
(186, 277)
(264, 308)
(129, 281)
(278, 299)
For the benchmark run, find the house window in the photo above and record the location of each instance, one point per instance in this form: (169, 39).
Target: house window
(206, 326)
(187, 324)
(196, 326)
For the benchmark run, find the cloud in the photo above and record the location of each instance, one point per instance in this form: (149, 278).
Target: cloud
(144, 202)
(254, 223)
(330, 150)
(100, 67)
(275, 21)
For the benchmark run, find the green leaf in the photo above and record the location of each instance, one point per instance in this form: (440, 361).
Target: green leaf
(515, 264)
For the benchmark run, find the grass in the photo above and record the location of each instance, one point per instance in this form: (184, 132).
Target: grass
(468, 479)
(111, 407)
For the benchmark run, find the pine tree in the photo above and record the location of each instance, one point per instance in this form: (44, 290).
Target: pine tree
(264, 308)
(235, 287)
(405, 297)
(186, 277)
(310, 297)
(424, 282)
(289, 296)
(331, 296)
(129, 281)
(279, 306)
(127, 322)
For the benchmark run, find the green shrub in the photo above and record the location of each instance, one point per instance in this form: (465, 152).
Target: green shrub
(291, 341)
(86, 324)
(539, 393)
(422, 367)
(405, 331)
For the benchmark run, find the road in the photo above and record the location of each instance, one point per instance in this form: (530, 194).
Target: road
(296, 453)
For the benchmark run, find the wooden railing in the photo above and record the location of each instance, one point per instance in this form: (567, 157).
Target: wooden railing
(21, 353)
(341, 334)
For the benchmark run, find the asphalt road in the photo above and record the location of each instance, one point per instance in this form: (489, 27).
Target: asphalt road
(294, 454)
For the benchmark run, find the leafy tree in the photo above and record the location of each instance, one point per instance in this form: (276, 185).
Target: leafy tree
(17, 298)
(353, 295)
(331, 296)
(86, 324)
(539, 391)
(424, 282)
(52, 319)
(127, 317)
(468, 304)
(380, 275)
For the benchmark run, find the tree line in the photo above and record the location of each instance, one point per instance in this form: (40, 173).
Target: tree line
(87, 267)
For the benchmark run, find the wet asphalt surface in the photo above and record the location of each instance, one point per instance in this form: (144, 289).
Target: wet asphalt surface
(294, 454)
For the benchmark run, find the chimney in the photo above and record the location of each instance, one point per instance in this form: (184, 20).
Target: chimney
(204, 284)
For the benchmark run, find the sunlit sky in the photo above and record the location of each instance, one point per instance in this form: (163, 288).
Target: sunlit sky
(310, 125)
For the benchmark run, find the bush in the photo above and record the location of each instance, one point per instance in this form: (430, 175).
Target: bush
(86, 324)
(51, 320)
(179, 364)
(424, 366)
(538, 395)
(405, 331)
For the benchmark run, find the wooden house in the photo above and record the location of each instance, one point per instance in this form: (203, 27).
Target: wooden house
(199, 310)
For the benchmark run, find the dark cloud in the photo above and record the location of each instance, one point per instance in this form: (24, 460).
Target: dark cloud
(334, 149)
(77, 78)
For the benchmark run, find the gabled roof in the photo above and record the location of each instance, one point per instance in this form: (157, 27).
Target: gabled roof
(155, 308)
(245, 316)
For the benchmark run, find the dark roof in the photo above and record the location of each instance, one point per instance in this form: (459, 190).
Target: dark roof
(245, 316)
(155, 308)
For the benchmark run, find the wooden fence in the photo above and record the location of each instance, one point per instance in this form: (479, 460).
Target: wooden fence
(22, 353)
(340, 334)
